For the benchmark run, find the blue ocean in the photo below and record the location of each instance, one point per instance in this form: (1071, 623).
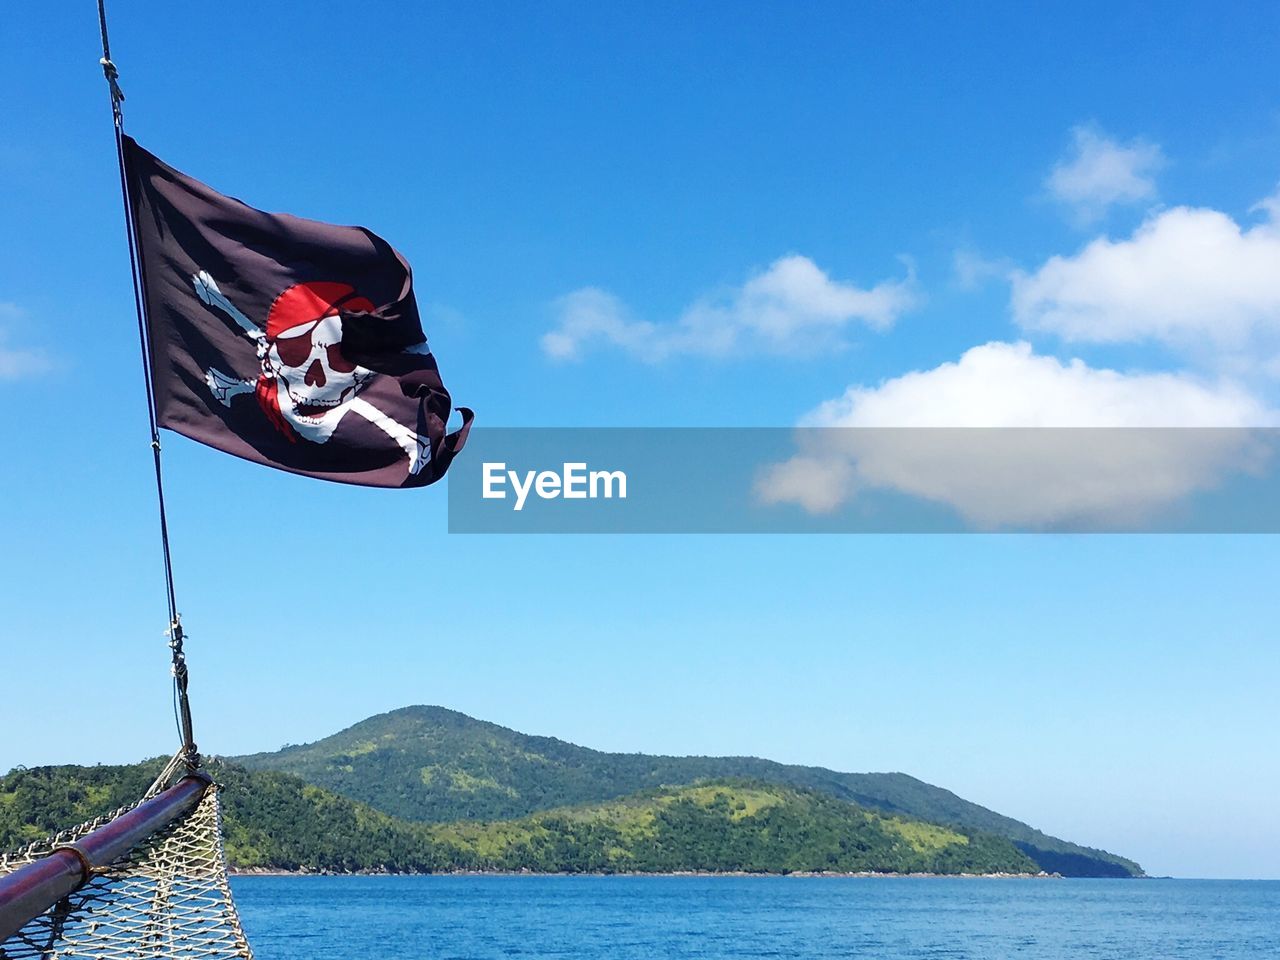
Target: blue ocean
(647, 918)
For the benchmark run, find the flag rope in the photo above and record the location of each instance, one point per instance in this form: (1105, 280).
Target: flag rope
(182, 705)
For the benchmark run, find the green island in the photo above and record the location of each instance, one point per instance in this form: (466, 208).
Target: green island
(426, 789)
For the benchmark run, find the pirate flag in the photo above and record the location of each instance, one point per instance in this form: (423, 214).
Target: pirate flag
(288, 342)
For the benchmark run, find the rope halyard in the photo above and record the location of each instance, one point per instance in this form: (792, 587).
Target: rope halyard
(168, 896)
(109, 69)
(182, 704)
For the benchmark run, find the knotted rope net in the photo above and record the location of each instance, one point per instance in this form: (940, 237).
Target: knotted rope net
(167, 898)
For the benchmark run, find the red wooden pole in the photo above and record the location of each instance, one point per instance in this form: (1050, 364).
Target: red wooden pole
(31, 890)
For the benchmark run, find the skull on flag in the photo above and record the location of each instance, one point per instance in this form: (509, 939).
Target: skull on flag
(307, 384)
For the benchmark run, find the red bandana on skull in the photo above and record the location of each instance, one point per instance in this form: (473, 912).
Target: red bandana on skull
(303, 304)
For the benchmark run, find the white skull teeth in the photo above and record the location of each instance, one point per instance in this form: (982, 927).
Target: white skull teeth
(303, 406)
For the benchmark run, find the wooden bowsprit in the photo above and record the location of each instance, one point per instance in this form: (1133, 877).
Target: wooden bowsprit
(29, 891)
(147, 882)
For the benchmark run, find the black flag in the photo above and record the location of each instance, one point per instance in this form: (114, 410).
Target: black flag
(289, 342)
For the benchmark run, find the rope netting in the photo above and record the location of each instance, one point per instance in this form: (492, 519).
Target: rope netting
(167, 898)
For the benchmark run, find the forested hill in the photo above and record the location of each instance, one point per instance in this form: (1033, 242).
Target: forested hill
(727, 826)
(277, 821)
(434, 765)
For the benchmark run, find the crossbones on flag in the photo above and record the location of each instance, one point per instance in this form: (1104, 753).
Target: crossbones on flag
(289, 342)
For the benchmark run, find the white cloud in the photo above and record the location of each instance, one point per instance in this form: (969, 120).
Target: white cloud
(1101, 173)
(1022, 477)
(591, 315)
(1269, 207)
(972, 270)
(1187, 277)
(15, 362)
(819, 481)
(1009, 385)
(792, 307)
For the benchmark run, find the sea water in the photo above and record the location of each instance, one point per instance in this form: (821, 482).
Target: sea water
(648, 918)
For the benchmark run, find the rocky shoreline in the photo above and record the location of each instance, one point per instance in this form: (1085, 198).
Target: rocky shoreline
(271, 872)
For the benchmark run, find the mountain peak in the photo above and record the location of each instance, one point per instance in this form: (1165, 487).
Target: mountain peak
(431, 764)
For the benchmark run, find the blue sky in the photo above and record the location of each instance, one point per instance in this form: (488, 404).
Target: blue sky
(600, 202)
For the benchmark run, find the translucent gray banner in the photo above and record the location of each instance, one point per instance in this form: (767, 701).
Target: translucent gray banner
(874, 480)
